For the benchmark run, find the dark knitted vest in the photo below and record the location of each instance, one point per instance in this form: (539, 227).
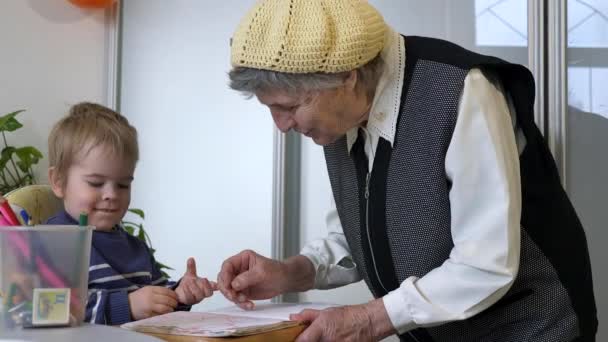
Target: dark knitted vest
(397, 219)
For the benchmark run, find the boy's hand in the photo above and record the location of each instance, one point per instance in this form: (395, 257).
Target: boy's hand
(25, 285)
(192, 289)
(151, 301)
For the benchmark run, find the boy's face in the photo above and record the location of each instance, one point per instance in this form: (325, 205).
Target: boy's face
(99, 184)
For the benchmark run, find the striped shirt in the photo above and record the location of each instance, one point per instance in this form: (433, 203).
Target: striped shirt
(120, 264)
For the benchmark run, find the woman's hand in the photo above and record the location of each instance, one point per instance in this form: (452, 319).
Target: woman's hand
(249, 276)
(366, 322)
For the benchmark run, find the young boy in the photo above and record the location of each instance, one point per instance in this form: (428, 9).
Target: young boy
(92, 153)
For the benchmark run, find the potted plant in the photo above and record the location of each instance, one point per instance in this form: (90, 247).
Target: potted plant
(15, 162)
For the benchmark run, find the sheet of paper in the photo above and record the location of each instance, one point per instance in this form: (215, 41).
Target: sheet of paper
(272, 310)
(229, 321)
(205, 324)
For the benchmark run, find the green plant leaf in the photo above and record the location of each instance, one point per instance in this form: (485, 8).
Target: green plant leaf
(8, 123)
(137, 230)
(5, 156)
(138, 212)
(162, 266)
(27, 179)
(28, 156)
(11, 125)
(140, 234)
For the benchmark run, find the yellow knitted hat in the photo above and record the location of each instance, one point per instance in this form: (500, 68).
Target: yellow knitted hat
(306, 36)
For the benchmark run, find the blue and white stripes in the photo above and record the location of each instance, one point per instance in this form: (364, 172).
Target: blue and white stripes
(119, 264)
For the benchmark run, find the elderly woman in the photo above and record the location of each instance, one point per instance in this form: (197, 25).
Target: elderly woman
(447, 200)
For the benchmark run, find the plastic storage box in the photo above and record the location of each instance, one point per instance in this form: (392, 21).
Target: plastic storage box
(43, 275)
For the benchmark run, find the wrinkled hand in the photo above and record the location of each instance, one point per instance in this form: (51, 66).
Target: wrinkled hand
(366, 322)
(192, 289)
(249, 276)
(151, 301)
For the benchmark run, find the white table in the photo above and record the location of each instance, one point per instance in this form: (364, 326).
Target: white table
(85, 332)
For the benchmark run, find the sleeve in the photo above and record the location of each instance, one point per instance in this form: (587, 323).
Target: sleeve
(109, 307)
(331, 256)
(482, 162)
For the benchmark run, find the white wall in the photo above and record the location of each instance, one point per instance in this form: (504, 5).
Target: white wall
(205, 174)
(53, 55)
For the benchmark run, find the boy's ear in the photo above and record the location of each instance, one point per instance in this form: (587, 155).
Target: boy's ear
(56, 182)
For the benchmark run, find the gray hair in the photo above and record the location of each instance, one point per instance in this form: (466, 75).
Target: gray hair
(250, 81)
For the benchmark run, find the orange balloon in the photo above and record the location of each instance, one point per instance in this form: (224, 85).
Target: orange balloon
(92, 3)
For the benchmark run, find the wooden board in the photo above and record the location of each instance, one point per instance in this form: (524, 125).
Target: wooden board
(281, 335)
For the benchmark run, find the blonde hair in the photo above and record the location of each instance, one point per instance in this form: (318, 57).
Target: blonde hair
(86, 126)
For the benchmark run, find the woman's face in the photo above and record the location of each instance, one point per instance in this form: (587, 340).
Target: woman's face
(323, 115)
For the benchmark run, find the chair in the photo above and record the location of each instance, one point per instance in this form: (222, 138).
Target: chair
(39, 202)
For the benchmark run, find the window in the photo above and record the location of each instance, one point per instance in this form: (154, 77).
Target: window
(501, 23)
(588, 55)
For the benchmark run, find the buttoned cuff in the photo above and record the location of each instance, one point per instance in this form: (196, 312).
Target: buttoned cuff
(398, 309)
(318, 263)
(329, 276)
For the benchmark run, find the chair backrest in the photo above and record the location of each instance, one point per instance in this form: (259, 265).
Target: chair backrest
(38, 200)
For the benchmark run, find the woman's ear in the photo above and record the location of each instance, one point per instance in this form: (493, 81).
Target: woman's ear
(351, 81)
(56, 182)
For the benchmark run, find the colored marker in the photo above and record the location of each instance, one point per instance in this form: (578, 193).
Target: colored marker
(83, 220)
(8, 213)
(8, 299)
(12, 292)
(4, 222)
(27, 220)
